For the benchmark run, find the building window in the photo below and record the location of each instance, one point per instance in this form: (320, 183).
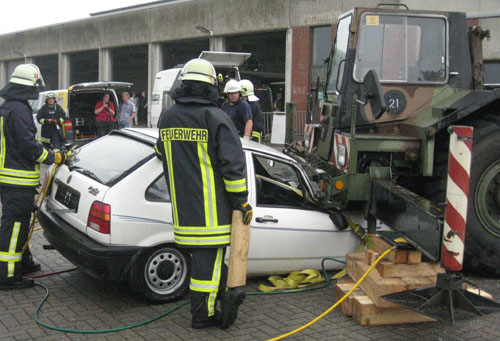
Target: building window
(321, 43)
(492, 72)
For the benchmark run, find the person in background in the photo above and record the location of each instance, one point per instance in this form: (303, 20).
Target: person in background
(247, 94)
(142, 110)
(105, 112)
(51, 117)
(239, 111)
(135, 102)
(19, 175)
(126, 112)
(278, 102)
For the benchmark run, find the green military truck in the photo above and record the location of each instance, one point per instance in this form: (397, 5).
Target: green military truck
(398, 81)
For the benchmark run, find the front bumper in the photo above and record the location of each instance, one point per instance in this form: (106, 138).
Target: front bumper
(99, 261)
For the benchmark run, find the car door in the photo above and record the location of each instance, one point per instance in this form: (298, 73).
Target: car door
(288, 232)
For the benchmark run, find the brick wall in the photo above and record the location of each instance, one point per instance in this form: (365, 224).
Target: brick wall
(301, 65)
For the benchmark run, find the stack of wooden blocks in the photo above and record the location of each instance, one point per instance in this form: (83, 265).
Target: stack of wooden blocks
(400, 270)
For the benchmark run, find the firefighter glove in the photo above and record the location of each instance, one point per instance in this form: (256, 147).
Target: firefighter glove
(247, 211)
(60, 157)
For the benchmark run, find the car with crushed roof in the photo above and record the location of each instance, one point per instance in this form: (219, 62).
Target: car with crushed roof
(108, 211)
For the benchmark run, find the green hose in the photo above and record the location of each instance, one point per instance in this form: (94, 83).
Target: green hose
(177, 307)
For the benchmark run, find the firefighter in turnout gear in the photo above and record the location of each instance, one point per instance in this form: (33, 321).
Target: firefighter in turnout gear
(238, 110)
(20, 158)
(204, 166)
(247, 94)
(51, 117)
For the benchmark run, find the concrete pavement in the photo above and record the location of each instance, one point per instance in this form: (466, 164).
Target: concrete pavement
(78, 301)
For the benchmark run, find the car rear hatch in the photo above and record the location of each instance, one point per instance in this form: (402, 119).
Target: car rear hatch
(82, 100)
(78, 193)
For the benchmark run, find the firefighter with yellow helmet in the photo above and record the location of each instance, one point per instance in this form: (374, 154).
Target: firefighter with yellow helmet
(20, 158)
(204, 166)
(247, 94)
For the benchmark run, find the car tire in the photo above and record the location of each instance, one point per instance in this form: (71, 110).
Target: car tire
(161, 274)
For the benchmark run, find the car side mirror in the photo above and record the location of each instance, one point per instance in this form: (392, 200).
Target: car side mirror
(339, 220)
(373, 94)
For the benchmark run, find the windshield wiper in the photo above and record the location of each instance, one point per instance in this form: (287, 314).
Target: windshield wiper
(86, 172)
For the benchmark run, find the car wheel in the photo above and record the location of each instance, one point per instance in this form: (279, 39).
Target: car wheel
(161, 274)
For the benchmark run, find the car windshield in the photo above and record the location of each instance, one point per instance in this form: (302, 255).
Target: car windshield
(110, 158)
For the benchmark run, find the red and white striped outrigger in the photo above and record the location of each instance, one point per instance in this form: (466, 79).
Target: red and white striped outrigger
(457, 192)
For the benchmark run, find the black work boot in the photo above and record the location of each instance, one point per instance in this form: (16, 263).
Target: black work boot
(231, 300)
(200, 322)
(28, 265)
(200, 318)
(22, 283)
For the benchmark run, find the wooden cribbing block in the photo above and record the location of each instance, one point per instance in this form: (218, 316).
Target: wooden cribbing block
(371, 256)
(366, 313)
(419, 282)
(388, 269)
(397, 256)
(474, 290)
(374, 285)
(414, 257)
(343, 288)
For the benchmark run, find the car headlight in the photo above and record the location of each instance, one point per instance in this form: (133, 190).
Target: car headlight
(341, 154)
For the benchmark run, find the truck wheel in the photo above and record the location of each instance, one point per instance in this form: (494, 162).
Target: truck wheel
(161, 274)
(482, 241)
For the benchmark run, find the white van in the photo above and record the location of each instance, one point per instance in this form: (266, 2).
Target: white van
(78, 101)
(226, 65)
(165, 81)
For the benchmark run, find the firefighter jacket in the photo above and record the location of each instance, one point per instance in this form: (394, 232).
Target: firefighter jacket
(204, 166)
(48, 128)
(258, 118)
(20, 152)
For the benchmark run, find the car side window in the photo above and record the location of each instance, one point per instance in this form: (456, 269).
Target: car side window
(277, 183)
(158, 190)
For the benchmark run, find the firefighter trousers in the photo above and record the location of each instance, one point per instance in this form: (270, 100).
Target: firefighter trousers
(56, 139)
(208, 280)
(17, 206)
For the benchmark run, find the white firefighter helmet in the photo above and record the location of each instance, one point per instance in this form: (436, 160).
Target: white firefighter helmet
(232, 85)
(200, 70)
(27, 74)
(248, 90)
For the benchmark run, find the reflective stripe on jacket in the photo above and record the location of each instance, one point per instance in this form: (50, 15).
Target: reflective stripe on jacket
(44, 114)
(20, 152)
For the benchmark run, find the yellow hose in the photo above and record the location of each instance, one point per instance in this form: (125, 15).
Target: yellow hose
(338, 302)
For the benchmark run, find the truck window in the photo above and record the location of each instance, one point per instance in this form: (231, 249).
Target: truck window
(339, 54)
(402, 49)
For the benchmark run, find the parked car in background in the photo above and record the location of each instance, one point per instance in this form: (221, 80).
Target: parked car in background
(108, 211)
(78, 101)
